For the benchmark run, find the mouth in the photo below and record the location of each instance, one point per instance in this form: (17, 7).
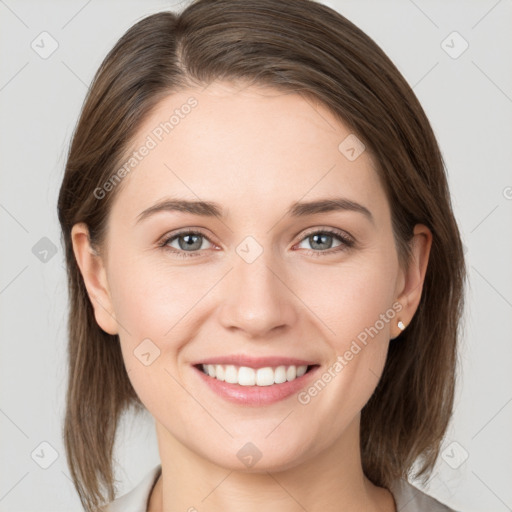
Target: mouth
(259, 377)
(256, 387)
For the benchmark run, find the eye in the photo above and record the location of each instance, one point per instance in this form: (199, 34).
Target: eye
(187, 242)
(322, 240)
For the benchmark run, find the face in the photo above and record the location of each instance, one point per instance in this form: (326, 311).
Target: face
(263, 276)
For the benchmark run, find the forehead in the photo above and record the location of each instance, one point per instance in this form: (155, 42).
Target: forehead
(227, 143)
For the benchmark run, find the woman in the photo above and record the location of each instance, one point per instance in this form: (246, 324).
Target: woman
(262, 253)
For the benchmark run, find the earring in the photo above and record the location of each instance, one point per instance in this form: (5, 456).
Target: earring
(401, 325)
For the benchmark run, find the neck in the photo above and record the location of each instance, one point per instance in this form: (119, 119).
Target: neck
(329, 480)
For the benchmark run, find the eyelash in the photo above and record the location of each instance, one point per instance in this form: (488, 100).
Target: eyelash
(347, 243)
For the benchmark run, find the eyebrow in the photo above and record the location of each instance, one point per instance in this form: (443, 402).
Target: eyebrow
(297, 209)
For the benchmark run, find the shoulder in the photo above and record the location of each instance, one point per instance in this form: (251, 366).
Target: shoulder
(411, 499)
(137, 499)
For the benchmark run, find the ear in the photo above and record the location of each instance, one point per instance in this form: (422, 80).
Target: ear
(95, 278)
(412, 279)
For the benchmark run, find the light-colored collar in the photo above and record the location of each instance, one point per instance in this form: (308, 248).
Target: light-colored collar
(407, 497)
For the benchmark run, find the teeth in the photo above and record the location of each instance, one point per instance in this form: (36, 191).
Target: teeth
(245, 376)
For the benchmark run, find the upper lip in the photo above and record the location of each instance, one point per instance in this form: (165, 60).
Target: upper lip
(255, 362)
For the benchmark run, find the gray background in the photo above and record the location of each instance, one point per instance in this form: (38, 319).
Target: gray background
(469, 102)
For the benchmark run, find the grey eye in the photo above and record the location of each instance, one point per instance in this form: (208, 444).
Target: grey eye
(321, 241)
(188, 241)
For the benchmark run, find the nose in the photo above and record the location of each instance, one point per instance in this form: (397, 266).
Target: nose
(258, 298)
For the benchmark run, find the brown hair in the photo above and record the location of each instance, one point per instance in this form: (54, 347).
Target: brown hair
(293, 45)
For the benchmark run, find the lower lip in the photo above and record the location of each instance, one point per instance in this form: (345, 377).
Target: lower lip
(256, 395)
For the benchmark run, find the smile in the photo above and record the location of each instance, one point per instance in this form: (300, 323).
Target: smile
(246, 386)
(246, 376)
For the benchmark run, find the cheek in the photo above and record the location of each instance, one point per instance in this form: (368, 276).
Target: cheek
(150, 310)
(152, 300)
(350, 298)
(159, 309)
(354, 305)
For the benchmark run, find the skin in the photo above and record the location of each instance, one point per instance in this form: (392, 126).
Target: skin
(255, 151)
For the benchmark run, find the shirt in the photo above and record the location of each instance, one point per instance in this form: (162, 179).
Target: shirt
(407, 497)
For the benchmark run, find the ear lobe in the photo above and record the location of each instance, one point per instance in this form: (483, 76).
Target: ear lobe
(414, 275)
(95, 278)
